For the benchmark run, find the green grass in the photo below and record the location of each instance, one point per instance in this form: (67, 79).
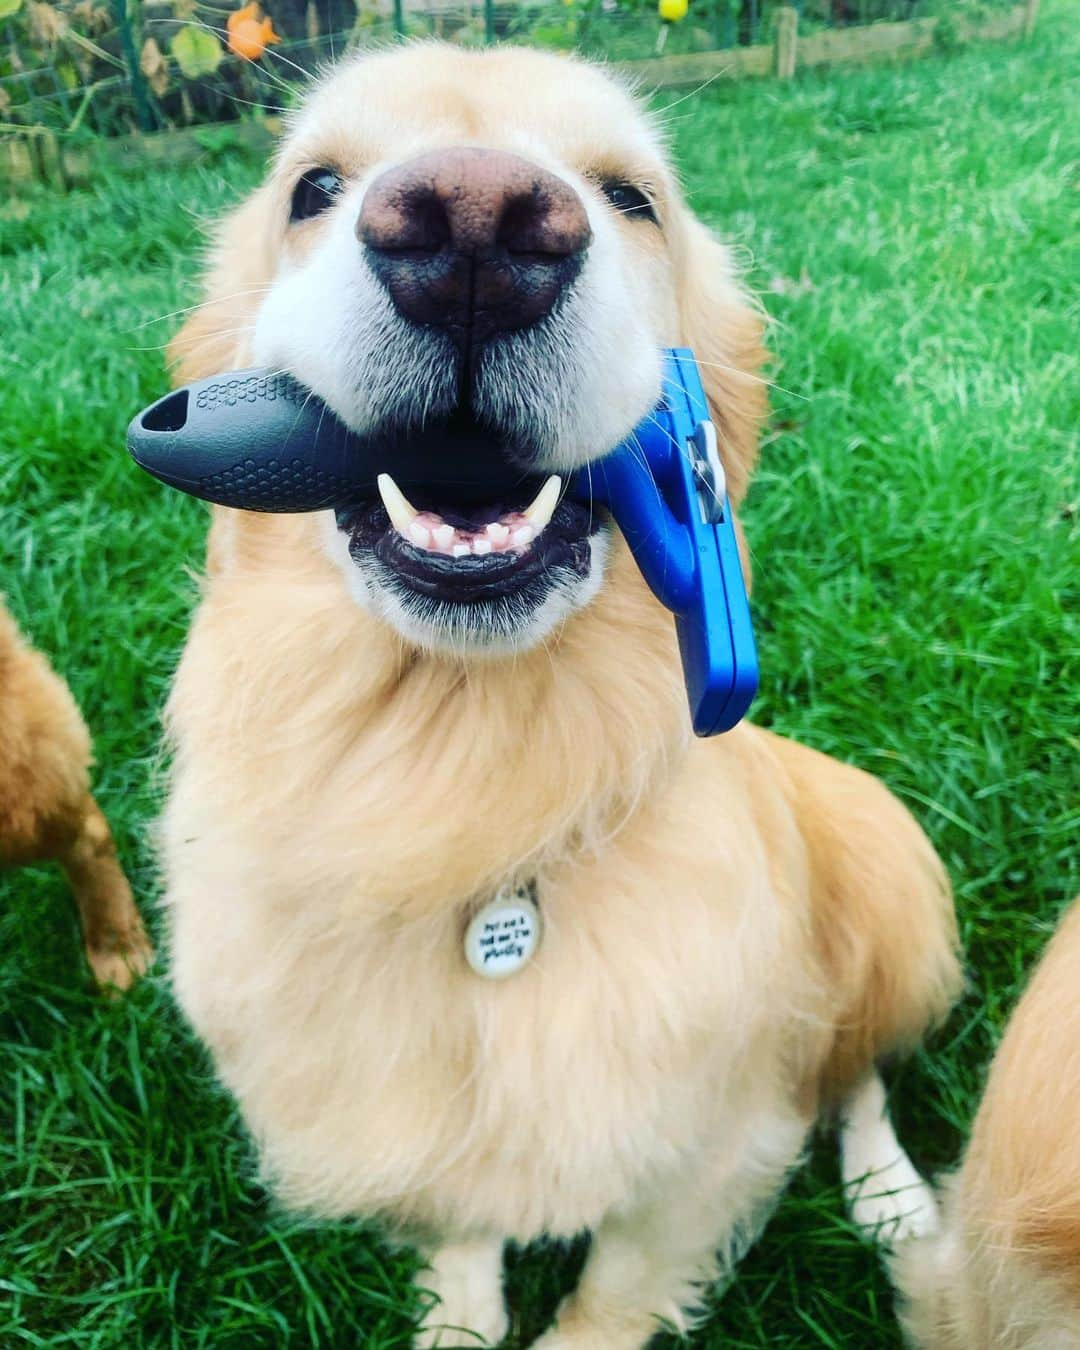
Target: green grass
(914, 525)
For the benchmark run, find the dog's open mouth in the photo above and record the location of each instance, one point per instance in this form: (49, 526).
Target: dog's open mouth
(469, 552)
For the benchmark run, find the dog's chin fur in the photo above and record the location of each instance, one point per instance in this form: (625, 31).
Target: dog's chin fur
(733, 930)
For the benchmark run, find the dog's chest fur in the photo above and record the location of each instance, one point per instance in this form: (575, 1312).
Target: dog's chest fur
(379, 1073)
(314, 951)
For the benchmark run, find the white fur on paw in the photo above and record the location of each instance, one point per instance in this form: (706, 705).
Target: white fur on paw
(887, 1198)
(577, 1329)
(475, 1330)
(580, 1338)
(470, 1310)
(892, 1203)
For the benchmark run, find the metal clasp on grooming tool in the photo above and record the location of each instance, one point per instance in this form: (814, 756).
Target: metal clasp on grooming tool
(705, 461)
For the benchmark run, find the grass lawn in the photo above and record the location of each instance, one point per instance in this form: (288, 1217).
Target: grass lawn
(916, 540)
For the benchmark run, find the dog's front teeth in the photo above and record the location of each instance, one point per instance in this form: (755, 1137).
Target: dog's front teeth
(540, 512)
(427, 530)
(443, 536)
(401, 511)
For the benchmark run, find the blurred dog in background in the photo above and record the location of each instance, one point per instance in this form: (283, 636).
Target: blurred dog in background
(47, 811)
(1004, 1271)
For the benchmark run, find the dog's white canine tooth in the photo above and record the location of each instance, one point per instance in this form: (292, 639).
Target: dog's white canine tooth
(443, 535)
(540, 512)
(401, 511)
(525, 534)
(419, 534)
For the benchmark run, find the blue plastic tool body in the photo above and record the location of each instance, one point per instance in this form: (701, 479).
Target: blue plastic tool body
(259, 441)
(672, 507)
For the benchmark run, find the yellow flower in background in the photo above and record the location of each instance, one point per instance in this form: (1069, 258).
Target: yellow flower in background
(673, 10)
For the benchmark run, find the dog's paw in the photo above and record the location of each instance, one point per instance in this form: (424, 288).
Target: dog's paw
(578, 1336)
(575, 1329)
(469, 1329)
(573, 1338)
(892, 1203)
(118, 962)
(886, 1197)
(469, 1310)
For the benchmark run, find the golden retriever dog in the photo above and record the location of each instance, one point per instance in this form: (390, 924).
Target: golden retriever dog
(1004, 1271)
(379, 726)
(47, 812)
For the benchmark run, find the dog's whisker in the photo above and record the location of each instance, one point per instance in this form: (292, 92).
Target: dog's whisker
(693, 93)
(275, 109)
(738, 371)
(750, 377)
(202, 304)
(203, 341)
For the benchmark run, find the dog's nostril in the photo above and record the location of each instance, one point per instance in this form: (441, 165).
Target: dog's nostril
(543, 229)
(418, 223)
(475, 241)
(432, 222)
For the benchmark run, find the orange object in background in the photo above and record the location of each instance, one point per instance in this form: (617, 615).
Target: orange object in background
(249, 35)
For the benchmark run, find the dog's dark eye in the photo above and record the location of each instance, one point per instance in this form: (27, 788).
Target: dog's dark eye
(629, 201)
(314, 193)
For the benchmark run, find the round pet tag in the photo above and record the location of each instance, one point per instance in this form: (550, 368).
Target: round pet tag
(504, 934)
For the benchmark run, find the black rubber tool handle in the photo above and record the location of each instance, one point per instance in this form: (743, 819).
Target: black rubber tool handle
(262, 442)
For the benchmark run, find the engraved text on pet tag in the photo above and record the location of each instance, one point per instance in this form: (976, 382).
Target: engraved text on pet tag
(504, 934)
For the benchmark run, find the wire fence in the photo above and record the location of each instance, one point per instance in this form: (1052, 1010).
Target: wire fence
(109, 67)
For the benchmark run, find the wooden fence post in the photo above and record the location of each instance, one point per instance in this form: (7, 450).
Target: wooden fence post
(787, 39)
(46, 158)
(1031, 13)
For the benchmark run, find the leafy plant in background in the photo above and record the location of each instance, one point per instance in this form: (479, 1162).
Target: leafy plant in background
(111, 66)
(54, 59)
(197, 50)
(112, 63)
(626, 30)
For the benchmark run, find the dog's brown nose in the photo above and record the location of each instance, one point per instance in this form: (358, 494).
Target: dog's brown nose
(474, 241)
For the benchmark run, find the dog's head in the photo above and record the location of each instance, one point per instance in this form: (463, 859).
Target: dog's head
(492, 244)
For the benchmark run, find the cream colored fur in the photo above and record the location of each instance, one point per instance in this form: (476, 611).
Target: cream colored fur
(734, 929)
(1004, 1273)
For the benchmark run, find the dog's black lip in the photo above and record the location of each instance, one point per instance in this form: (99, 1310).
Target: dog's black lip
(465, 580)
(562, 545)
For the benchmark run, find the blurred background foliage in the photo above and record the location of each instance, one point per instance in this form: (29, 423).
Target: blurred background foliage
(107, 67)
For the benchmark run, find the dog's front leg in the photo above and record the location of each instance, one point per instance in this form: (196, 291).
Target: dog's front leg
(650, 1265)
(117, 946)
(467, 1281)
(636, 1280)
